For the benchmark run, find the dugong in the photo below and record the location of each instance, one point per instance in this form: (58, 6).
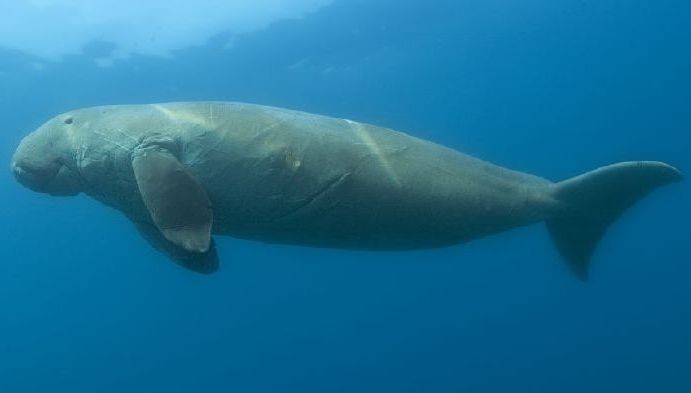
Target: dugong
(184, 171)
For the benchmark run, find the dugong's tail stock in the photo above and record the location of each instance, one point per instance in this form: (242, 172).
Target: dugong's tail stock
(589, 203)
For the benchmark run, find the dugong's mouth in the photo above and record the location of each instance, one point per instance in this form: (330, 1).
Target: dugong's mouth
(35, 178)
(45, 178)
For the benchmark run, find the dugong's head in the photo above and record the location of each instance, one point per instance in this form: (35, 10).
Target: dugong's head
(44, 160)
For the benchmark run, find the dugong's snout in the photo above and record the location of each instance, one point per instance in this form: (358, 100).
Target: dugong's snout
(43, 171)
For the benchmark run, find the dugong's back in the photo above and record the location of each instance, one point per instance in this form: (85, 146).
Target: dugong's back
(285, 176)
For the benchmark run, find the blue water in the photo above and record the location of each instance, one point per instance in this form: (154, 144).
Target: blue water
(553, 88)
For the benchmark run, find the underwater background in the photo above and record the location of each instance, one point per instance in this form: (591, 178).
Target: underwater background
(553, 88)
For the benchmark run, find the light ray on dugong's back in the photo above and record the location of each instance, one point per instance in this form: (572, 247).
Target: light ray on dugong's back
(184, 171)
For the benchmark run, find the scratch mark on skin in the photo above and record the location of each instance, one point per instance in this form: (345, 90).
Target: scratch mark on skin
(126, 135)
(316, 196)
(263, 133)
(107, 139)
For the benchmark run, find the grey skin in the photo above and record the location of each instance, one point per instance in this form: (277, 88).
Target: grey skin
(183, 171)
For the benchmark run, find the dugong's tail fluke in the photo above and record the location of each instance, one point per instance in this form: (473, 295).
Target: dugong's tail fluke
(591, 202)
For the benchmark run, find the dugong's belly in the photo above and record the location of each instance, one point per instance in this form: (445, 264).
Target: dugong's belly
(289, 177)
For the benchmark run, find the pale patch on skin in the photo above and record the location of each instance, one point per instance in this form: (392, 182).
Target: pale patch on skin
(180, 116)
(373, 146)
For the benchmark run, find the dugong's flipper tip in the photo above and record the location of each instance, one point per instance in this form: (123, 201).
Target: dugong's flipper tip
(665, 171)
(678, 175)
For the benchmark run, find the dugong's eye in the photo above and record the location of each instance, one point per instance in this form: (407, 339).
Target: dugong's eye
(69, 120)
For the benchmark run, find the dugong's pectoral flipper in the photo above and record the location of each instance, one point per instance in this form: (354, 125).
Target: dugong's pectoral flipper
(177, 202)
(205, 263)
(589, 203)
